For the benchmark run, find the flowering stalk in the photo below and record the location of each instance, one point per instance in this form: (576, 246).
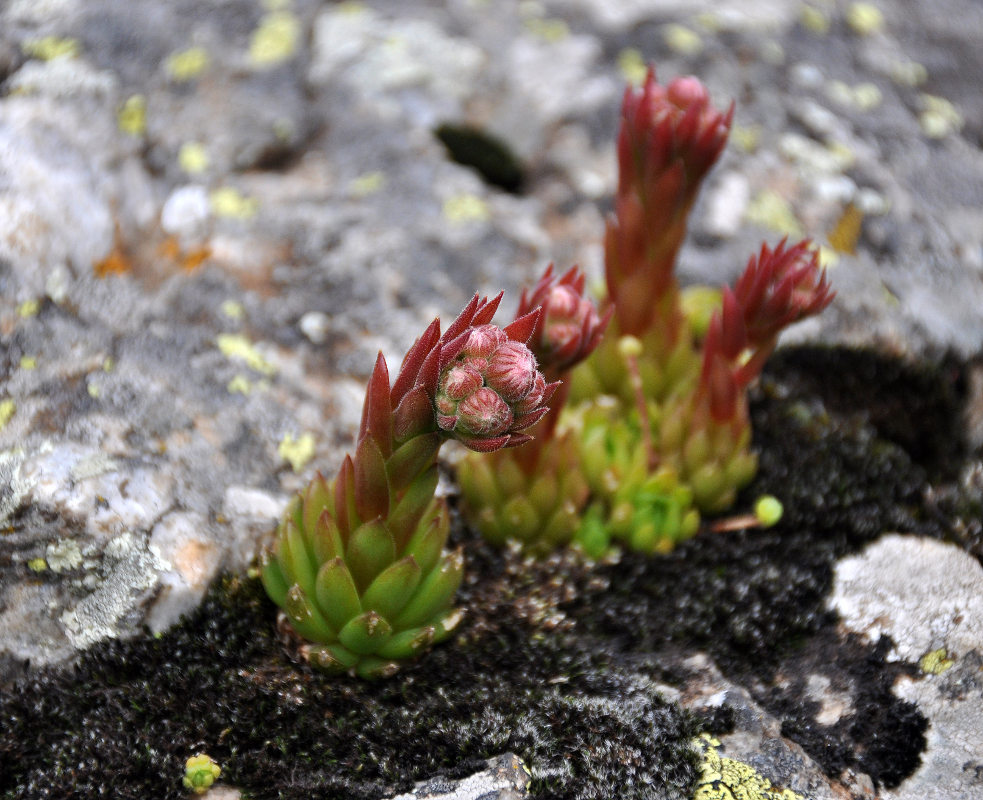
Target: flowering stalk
(670, 137)
(708, 435)
(358, 565)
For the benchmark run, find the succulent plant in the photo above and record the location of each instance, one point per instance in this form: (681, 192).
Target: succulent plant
(358, 564)
(200, 772)
(541, 509)
(633, 501)
(535, 494)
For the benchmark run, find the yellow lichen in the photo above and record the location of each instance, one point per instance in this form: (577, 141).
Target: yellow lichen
(770, 210)
(233, 309)
(814, 19)
(28, 308)
(549, 30)
(682, 40)
(367, 184)
(28, 362)
(230, 202)
(466, 208)
(185, 65)
(939, 117)
(240, 384)
(909, 73)
(132, 115)
(723, 778)
(7, 409)
(275, 40)
(747, 137)
(297, 452)
(193, 158)
(936, 662)
(237, 347)
(632, 65)
(48, 48)
(37, 565)
(864, 18)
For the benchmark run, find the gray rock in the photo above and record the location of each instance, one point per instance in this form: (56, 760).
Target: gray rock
(506, 778)
(928, 597)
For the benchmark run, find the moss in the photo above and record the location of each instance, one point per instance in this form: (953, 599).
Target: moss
(127, 718)
(880, 734)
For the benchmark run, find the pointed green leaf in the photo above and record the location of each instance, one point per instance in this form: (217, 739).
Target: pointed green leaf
(429, 539)
(412, 458)
(371, 480)
(370, 550)
(331, 657)
(297, 562)
(317, 498)
(305, 618)
(273, 580)
(392, 588)
(477, 481)
(294, 511)
(407, 644)
(446, 624)
(435, 593)
(371, 668)
(327, 542)
(346, 514)
(408, 511)
(366, 633)
(336, 594)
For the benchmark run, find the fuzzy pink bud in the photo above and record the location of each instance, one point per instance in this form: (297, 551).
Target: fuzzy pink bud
(490, 390)
(484, 413)
(569, 328)
(483, 340)
(511, 371)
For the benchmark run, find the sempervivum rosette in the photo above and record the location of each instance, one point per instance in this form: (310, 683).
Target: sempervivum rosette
(358, 565)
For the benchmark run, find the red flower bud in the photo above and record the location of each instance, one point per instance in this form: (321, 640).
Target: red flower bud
(490, 390)
(484, 413)
(569, 328)
(779, 287)
(512, 371)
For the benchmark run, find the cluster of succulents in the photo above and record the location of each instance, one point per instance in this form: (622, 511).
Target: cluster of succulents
(633, 414)
(652, 416)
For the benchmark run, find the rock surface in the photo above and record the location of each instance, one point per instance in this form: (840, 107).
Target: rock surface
(213, 215)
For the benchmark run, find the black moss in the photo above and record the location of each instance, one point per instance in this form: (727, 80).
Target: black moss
(883, 736)
(125, 719)
(913, 404)
(556, 661)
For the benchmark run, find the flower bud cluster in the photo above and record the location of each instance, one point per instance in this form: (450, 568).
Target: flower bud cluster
(491, 389)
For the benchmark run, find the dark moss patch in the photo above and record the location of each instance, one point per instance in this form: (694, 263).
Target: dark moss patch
(492, 158)
(881, 735)
(912, 404)
(124, 721)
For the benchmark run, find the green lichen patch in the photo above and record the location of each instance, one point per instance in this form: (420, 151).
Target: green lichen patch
(723, 778)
